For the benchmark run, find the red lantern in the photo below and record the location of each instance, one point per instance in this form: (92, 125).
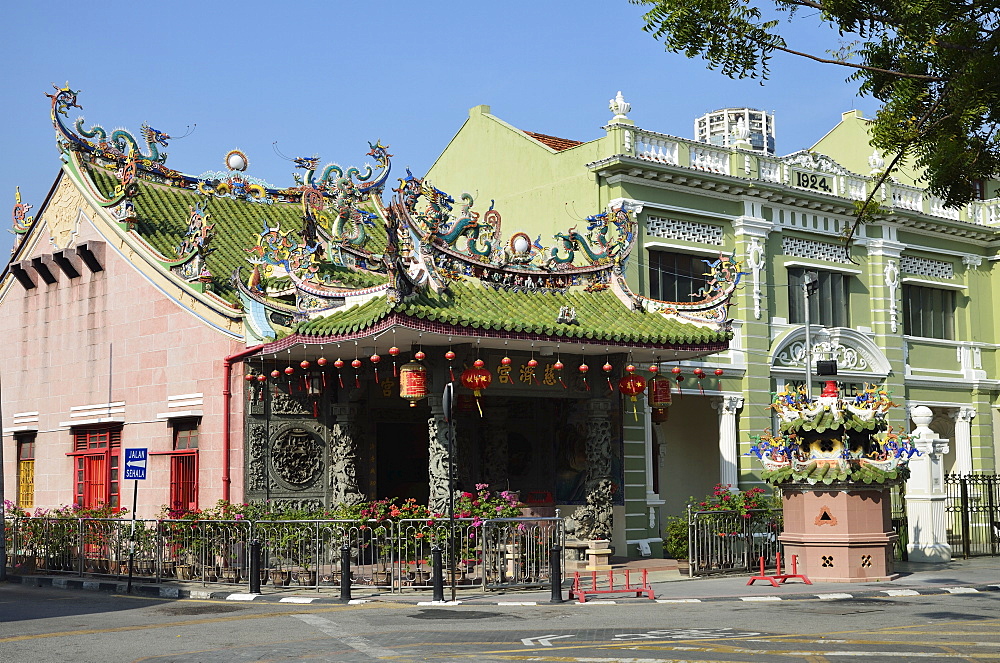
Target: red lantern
(450, 356)
(676, 370)
(653, 368)
(718, 383)
(477, 379)
(532, 363)
(412, 382)
(276, 374)
(479, 363)
(559, 366)
(339, 364)
(393, 352)
(419, 355)
(304, 364)
(660, 397)
(321, 361)
(505, 361)
(632, 385)
(700, 374)
(630, 369)
(607, 370)
(719, 372)
(375, 360)
(248, 377)
(356, 364)
(261, 378)
(289, 370)
(583, 375)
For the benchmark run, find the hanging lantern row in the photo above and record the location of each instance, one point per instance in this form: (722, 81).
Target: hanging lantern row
(413, 379)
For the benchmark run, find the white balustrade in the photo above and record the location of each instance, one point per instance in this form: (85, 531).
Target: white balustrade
(656, 148)
(938, 209)
(907, 197)
(710, 159)
(770, 170)
(985, 213)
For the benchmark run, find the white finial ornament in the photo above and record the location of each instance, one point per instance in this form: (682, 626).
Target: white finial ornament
(876, 163)
(742, 133)
(619, 107)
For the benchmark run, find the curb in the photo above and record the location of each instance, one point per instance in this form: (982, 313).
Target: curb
(159, 591)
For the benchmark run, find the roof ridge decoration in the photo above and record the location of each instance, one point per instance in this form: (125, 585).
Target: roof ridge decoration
(21, 221)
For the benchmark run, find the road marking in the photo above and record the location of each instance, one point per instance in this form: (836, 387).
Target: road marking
(544, 640)
(357, 601)
(760, 598)
(353, 641)
(439, 602)
(828, 597)
(596, 603)
(242, 597)
(678, 600)
(901, 592)
(517, 602)
(297, 599)
(961, 590)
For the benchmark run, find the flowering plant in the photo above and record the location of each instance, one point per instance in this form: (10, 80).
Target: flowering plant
(725, 499)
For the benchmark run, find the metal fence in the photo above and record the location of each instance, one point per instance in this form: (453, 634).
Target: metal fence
(393, 555)
(972, 511)
(729, 542)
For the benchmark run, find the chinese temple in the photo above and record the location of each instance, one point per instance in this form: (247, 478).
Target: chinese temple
(306, 334)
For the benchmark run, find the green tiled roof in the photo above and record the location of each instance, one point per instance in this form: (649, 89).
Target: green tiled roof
(600, 316)
(163, 213)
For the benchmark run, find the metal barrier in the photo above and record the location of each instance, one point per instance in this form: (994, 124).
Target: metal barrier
(972, 512)
(729, 542)
(391, 555)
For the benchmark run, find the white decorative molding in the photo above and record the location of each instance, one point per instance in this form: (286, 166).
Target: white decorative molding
(813, 249)
(970, 260)
(755, 261)
(891, 273)
(688, 231)
(855, 353)
(840, 269)
(910, 280)
(963, 439)
(926, 267)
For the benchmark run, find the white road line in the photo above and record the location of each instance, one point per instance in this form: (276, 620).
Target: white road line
(596, 603)
(961, 590)
(242, 597)
(297, 599)
(517, 602)
(828, 597)
(357, 602)
(760, 598)
(678, 600)
(353, 641)
(439, 602)
(901, 592)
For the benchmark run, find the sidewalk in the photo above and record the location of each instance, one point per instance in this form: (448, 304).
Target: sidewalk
(978, 574)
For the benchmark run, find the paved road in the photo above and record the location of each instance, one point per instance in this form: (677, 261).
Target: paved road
(39, 625)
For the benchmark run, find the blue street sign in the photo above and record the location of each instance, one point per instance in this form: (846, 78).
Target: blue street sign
(135, 463)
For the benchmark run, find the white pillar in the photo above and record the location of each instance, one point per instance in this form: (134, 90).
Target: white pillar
(728, 406)
(925, 494)
(963, 439)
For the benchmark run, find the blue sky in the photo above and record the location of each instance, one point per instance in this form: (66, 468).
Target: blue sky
(325, 78)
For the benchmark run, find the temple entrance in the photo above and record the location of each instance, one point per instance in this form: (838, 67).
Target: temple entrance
(402, 458)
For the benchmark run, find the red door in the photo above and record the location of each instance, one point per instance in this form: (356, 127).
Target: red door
(95, 477)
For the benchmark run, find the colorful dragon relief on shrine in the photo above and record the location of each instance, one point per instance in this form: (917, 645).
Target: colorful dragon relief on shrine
(833, 439)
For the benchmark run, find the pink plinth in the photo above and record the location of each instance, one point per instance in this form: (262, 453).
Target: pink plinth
(839, 535)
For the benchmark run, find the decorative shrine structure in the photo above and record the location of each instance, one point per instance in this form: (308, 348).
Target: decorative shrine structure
(834, 459)
(358, 301)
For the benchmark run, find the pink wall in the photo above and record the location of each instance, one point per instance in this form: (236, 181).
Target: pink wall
(57, 343)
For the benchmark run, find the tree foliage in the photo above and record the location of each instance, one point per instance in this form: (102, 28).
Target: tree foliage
(934, 65)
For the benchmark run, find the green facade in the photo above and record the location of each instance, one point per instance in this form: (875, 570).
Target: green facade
(780, 215)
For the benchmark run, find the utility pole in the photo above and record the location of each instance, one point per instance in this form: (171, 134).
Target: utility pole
(808, 288)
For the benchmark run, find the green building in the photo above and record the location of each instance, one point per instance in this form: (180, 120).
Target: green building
(909, 302)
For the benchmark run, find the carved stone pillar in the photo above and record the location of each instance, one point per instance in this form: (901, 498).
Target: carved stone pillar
(963, 439)
(344, 438)
(495, 447)
(440, 446)
(925, 494)
(594, 519)
(728, 407)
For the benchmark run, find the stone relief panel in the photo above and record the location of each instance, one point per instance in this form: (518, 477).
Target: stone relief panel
(257, 457)
(297, 456)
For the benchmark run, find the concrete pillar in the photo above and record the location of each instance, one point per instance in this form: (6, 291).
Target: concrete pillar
(963, 439)
(728, 407)
(925, 494)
